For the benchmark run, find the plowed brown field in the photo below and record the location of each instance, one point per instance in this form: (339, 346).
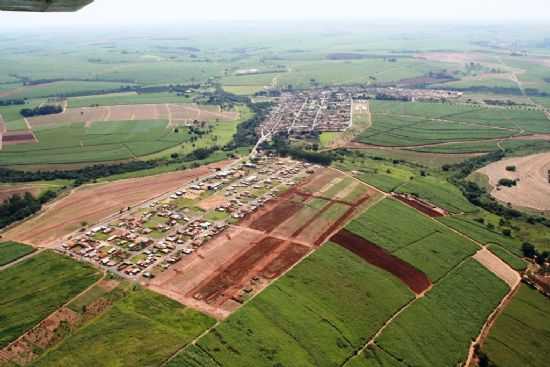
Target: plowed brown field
(416, 280)
(93, 203)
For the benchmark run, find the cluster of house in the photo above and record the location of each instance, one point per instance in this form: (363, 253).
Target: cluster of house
(330, 109)
(309, 111)
(163, 232)
(405, 94)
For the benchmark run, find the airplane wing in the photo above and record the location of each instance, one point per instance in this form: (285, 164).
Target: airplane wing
(43, 5)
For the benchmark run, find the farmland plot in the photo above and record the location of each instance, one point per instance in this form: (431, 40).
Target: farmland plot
(142, 329)
(35, 288)
(300, 321)
(437, 329)
(412, 237)
(11, 251)
(521, 332)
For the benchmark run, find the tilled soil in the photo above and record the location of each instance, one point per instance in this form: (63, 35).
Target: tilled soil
(416, 280)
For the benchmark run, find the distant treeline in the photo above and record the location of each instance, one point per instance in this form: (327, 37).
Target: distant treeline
(19, 207)
(485, 89)
(281, 146)
(41, 111)
(12, 102)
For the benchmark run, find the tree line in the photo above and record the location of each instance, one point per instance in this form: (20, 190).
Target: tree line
(19, 207)
(41, 110)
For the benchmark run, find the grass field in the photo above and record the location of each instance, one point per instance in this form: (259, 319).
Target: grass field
(481, 233)
(437, 329)
(521, 334)
(11, 251)
(300, 321)
(422, 242)
(37, 287)
(102, 141)
(62, 88)
(429, 160)
(408, 124)
(394, 130)
(390, 176)
(141, 329)
(12, 115)
(117, 99)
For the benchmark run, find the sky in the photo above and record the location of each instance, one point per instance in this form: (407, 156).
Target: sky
(152, 12)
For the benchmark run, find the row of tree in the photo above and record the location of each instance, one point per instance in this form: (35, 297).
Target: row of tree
(41, 110)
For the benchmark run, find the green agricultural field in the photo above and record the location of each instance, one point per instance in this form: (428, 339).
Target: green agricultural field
(37, 287)
(428, 160)
(422, 242)
(373, 356)
(456, 148)
(394, 130)
(11, 251)
(117, 99)
(300, 321)
(522, 332)
(437, 329)
(408, 124)
(62, 88)
(481, 232)
(102, 141)
(391, 176)
(12, 115)
(509, 258)
(141, 329)
(243, 90)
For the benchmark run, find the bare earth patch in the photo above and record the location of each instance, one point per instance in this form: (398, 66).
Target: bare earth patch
(533, 188)
(498, 267)
(93, 203)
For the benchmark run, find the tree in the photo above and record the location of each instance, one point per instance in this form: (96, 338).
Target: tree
(528, 250)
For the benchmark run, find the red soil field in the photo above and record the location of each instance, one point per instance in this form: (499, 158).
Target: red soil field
(416, 280)
(18, 137)
(269, 220)
(93, 203)
(290, 255)
(318, 181)
(421, 206)
(234, 274)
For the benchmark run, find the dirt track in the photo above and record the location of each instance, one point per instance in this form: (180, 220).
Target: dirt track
(93, 203)
(532, 189)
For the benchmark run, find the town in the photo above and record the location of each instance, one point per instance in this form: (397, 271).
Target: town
(157, 235)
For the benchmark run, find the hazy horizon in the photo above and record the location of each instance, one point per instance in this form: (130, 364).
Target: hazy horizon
(170, 12)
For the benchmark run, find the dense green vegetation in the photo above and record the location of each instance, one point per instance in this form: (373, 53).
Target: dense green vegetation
(41, 110)
(11, 251)
(396, 175)
(484, 232)
(18, 207)
(437, 329)
(521, 334)
(422, 242)
(300, 321)
(141, 329)
(35, 288)
(102, 141)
